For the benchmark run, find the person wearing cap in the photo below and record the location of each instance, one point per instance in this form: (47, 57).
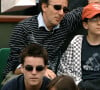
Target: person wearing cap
(34, 60)
(81, 60)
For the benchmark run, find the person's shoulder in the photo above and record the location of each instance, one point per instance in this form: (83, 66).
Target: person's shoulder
(72, 18)
(77, 38)
(74, 12)
(79, 9)
(28, 20)
(12, 84)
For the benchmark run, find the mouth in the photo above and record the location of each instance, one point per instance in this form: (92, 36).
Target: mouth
(35, 78)
(58, 19)
(98, 28)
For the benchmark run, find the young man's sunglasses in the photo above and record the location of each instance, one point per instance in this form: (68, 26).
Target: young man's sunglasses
(59, 7)
(38, 68)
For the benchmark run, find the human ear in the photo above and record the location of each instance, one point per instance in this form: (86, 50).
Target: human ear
(85, 25)
(44, 7)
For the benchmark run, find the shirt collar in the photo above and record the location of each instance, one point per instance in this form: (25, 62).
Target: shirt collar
(42, 23)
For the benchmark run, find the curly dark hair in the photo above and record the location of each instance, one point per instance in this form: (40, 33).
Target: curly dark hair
(34, 50)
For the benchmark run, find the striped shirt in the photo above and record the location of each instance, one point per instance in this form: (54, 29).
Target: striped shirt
(55, 41)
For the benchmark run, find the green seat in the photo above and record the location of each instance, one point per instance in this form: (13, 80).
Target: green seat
(4, 53)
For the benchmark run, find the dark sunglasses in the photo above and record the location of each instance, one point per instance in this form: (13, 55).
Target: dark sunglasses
(59, 7)
(38, 68)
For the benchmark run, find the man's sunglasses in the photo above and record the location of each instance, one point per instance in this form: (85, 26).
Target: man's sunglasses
(59, 7)
(38, 68)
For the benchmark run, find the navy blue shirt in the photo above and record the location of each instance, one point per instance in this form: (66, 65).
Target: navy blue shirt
(90, 61)
(18, 84)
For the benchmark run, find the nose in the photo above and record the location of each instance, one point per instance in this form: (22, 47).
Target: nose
(98, 21)
(34, 71)
(61, 12)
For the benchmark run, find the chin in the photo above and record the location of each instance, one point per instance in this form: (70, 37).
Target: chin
(34, 83)
(56, 23)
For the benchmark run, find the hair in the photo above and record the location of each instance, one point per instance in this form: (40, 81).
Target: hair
(44, 1)
(62, 82)
(40, 4)
(34, 50)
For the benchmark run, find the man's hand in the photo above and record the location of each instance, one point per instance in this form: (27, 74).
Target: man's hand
(50, 74)
(18, 71)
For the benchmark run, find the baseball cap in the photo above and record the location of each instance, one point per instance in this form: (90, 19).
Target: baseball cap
(90, 10)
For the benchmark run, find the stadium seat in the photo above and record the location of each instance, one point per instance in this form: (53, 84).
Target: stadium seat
(4, 53)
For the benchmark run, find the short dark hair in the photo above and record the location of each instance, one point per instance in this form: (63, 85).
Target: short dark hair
(34, 50)
(40, 4)
(44, 1)
(63, 82)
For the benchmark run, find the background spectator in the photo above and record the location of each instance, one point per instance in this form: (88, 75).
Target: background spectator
(62, 83)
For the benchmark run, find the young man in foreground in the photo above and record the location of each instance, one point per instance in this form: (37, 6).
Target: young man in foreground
(34, 60)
